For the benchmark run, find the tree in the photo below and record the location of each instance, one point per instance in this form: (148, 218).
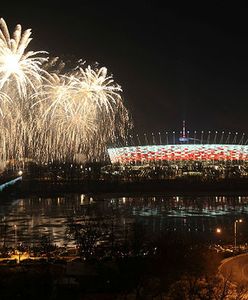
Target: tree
(205, 288)
(46, 246)
(87, 234)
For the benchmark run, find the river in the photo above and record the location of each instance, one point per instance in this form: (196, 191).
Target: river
(27, 220)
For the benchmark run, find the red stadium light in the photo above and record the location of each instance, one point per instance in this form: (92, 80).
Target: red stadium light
(179, 152)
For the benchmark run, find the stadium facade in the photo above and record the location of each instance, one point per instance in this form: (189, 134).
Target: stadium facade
(187, 152)
(216, 148)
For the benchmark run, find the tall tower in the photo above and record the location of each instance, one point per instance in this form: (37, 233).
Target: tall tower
(184, 129)
(183, 138)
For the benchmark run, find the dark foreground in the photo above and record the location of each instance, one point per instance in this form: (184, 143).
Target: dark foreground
(177, 270)
(179, 265)
(137, 277)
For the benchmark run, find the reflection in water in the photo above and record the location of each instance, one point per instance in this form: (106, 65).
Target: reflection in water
(26, 220)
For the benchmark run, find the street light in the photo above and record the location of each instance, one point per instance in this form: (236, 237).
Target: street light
(15, 226)
(218, 230)
(235, 232)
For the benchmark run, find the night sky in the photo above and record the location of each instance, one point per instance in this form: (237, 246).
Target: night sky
(178, 62)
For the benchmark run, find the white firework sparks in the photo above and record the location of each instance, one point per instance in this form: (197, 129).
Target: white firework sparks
(18, 67)
(99, 87)
(46, 115)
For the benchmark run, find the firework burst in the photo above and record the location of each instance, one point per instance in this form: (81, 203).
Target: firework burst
(19, 69)
(47, 114)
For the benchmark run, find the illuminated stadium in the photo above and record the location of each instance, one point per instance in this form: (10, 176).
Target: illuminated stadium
(183, 152)
(207, 148)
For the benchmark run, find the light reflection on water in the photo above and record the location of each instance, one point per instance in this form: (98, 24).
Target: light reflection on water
(26, 220)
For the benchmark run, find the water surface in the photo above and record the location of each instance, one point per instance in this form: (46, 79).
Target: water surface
(27, 220)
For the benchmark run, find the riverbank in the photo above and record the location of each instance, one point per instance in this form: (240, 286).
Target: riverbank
(29, 187)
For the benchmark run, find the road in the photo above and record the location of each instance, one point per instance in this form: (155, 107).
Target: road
(235, 269)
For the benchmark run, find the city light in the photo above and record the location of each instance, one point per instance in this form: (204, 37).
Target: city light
(218, 230)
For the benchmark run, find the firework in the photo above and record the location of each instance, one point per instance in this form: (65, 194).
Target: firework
(19, 69)
(49, 114)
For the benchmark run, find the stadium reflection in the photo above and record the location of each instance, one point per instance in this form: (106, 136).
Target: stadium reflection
(26, 220)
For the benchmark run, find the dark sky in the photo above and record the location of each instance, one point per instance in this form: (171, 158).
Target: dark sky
(178, 62)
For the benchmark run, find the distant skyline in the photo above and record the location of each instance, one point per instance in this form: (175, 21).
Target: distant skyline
(175, 63)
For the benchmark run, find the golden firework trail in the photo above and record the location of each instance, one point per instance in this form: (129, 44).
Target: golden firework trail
(49, 115)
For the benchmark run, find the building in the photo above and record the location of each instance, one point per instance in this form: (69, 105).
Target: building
(208, 153)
